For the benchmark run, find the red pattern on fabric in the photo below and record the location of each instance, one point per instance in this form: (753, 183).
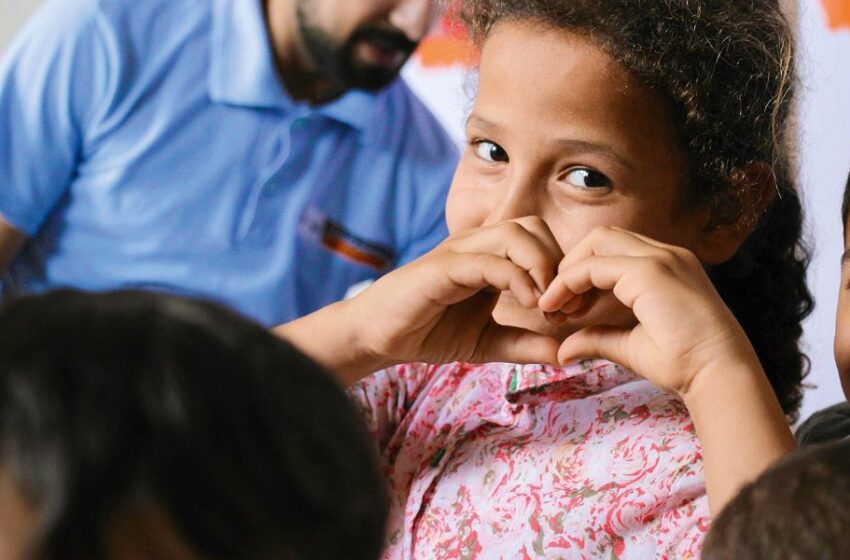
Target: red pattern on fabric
(501, 461)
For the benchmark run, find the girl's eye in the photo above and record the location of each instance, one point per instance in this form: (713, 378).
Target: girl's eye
(490, 151)
(587, 179)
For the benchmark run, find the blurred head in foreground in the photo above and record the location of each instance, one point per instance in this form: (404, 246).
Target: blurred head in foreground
(139, 425)
(796, 510)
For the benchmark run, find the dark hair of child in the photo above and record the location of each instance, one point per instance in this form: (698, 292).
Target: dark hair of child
(728, 77)
(796, 509)
(112, 401)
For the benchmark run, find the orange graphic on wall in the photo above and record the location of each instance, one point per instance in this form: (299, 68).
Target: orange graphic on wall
(448, 45)
(837, 13)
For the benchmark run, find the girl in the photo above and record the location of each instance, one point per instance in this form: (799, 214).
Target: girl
(593, 117)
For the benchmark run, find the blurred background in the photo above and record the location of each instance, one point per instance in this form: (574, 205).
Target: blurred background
(440, 75)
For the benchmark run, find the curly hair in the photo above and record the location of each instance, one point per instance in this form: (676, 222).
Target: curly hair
(725, 69)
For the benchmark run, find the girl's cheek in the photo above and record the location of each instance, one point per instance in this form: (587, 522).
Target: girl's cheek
(468, 205)
(842, 340)
(464, 211)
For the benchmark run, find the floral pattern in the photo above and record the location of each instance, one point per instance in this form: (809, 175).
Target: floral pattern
(502, 461)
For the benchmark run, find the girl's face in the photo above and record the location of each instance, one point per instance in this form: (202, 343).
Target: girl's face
(842, 319)
(560, 131)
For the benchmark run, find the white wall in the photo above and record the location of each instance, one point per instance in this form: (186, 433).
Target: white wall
(12, 14)
(824, 164)
(825, 159)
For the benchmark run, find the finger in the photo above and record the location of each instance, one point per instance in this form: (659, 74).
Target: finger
(540, 229)
(609, 343)
(645, 239)
(517, 346)
(561, 315)
(556, 318)
(529, 244)
(594, 272)
(608, 241)
(558, 297)
(680, 254)
(475, 272)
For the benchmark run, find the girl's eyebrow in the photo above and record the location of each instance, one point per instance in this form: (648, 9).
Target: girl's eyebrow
(566, 144)
(482, 124)
(585, 147)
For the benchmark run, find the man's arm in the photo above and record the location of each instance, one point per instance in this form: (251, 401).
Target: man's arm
(54, 78)
(11, 242)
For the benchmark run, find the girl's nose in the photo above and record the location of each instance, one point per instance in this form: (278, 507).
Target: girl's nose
(518, 197)
(413, 17)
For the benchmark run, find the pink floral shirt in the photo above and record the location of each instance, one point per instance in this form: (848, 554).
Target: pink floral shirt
(501, 461)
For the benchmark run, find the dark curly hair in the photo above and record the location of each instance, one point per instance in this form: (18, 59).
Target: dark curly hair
(725, 68)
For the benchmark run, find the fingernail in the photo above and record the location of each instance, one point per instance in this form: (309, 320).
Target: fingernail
(575, 303)
(556, 318)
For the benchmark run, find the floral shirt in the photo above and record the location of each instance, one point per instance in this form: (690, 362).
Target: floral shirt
(501, 461)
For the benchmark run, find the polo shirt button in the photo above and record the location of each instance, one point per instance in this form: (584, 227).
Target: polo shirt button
(273, 186)
(300, 123)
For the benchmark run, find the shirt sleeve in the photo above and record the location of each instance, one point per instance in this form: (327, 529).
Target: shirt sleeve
(385, 398)
(433, 231)
(437, 157)
(52, 82)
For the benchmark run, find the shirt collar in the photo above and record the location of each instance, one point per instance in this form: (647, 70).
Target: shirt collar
(355, 108)
(242, 68)
(573, 381)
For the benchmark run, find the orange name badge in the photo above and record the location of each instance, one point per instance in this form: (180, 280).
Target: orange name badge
(336, 238)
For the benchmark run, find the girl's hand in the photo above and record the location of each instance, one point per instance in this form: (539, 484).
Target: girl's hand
(686, 340)
(438, 308)
(683, 327)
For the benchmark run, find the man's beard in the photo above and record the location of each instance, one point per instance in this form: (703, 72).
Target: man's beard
(336, 62)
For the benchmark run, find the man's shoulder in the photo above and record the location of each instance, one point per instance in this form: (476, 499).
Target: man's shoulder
(407, 120)
(146, 13)
(137, 6)
(77, 9)
(58, 20)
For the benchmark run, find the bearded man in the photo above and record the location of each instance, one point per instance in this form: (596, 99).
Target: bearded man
(262, 153)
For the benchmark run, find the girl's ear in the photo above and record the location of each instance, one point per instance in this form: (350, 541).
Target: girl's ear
(755, 186)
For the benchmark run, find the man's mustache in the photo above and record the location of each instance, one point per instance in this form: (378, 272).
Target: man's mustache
(385, 39)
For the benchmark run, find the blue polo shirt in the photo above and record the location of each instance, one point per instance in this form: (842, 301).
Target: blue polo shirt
(150, 144)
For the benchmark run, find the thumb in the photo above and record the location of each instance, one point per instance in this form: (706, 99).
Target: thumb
(515, 345)
(609, 343)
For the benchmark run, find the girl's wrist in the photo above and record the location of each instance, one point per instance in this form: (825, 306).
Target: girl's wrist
(726, 373)
(334, 337)
(740, 424)
(723, 355)
(358, 358)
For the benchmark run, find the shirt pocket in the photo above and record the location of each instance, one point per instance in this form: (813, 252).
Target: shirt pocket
(332, 256)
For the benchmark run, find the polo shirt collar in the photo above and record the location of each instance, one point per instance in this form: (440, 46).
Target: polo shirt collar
(242, 68)
(356, 108)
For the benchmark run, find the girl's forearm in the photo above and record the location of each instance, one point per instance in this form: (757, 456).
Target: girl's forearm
(331, 337)
(740, 424)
